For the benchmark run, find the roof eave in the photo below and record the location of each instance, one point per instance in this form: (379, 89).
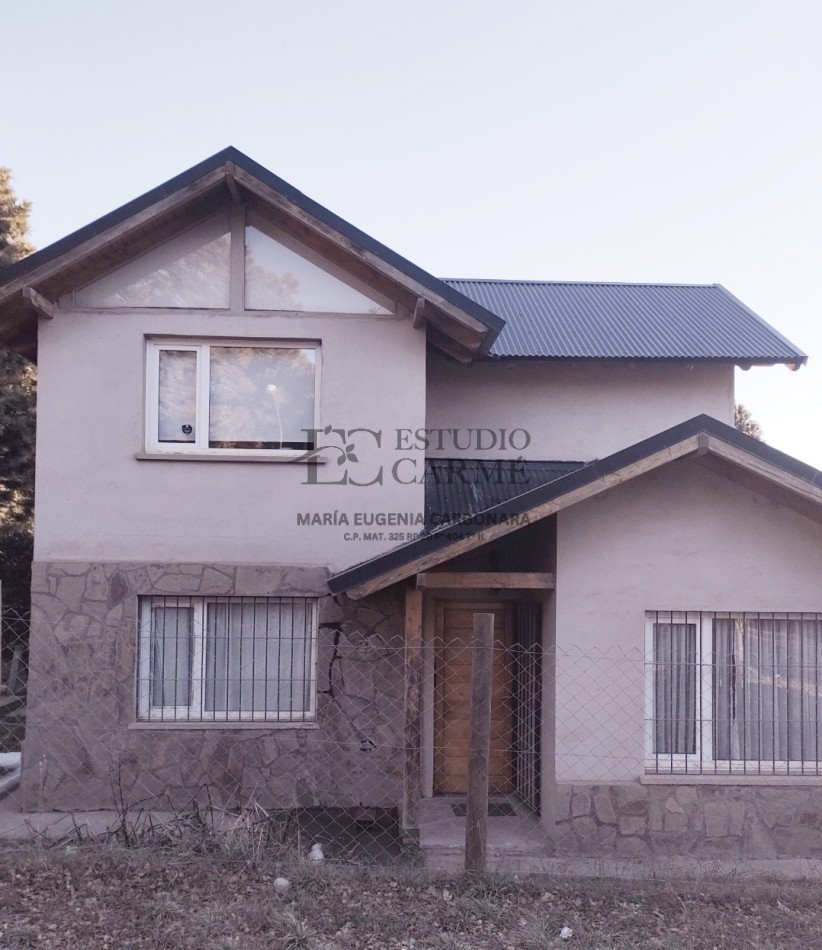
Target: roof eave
(793, 361)
(698, 436)
(471, 325)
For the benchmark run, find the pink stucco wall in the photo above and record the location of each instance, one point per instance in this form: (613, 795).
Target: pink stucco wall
(97, 501)
(574, 411)
(679, 538)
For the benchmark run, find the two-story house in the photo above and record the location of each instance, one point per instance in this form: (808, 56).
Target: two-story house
(280, 467)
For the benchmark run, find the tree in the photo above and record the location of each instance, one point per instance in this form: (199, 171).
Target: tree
(17, 423)
(14, 223)
(745, 422)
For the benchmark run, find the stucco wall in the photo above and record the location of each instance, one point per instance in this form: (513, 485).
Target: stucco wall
(96, 501)
(85, 749)
(573, 411)
(680, 538)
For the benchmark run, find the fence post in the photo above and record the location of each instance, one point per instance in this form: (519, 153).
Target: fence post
(412, 780)
(479, 743)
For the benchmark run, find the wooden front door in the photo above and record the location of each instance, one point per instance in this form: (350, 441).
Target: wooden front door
(452, 697)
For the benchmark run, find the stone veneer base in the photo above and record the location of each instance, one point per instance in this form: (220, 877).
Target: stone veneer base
(84, 748)
(634, 820)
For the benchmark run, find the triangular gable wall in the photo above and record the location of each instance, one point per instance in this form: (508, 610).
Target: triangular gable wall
(191, 270)
(194, 269)
(283, 274)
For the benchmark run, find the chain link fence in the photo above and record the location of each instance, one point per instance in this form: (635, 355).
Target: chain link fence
(254, 720)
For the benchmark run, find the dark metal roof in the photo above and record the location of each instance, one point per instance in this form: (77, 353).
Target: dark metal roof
(559, 320)
(444, 537)
(457, 488)
(231, 154)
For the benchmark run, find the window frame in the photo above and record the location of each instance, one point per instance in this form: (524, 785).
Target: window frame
(240, 217)
(701, 761)
(195, 712)
(202, 347)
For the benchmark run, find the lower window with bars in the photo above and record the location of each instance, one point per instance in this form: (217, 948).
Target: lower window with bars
(734, 693)
(227, 658)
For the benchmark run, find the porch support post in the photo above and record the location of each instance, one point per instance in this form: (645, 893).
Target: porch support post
(412, 779)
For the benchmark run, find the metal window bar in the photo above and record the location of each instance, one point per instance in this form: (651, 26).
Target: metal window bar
(227, 658)
(758, 699)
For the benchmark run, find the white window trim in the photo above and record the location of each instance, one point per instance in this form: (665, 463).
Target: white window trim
(201, 346)
(702, 762)
(195, 713)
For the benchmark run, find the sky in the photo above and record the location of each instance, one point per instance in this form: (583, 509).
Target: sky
(639, 140)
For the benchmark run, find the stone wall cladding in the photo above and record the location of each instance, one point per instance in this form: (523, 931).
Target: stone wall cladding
(82, 750)
(706, 821)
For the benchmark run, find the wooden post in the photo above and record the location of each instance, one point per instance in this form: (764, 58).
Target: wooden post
(479, 743)
(412, 778)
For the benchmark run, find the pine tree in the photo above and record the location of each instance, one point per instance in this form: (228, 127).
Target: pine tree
(17, 423)
(14, 223)
(745, 422)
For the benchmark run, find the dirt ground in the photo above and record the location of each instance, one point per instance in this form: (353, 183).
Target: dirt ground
(88, 895)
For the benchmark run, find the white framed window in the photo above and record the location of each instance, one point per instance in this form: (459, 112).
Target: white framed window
(733, 692)
(223, 397)
(223, 659)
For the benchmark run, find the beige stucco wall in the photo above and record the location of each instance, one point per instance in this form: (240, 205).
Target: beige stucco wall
(573, 411)
(97, 501)
(681, 538)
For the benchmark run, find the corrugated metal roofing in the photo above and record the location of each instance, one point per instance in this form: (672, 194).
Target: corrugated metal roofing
(559, 320)
(457, 488)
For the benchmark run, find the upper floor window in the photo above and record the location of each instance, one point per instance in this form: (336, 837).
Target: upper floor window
(199, 269)
(221, 397)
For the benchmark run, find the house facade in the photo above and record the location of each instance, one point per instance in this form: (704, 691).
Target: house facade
(280, 468)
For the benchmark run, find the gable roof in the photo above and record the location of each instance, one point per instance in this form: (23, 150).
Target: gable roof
(571, 320)
(229, 174)
(750, 461)
(464, 318)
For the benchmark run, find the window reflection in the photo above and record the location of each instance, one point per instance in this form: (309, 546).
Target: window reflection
(191, 270)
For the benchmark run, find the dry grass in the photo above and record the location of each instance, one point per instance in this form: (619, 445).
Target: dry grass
(86, 895)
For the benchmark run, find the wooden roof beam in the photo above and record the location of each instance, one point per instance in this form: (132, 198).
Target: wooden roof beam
(466, 337)
(449, 346)
(493, 580)
(123, 228)
(421, 564)
(231, 183)
(42, 305)
(274, 198)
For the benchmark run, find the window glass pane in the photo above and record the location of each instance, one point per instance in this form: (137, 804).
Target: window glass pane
(177, 410)
(190, 270)
(257, 657)
(261, 397)
(675, 670)
(170, 676)
(767, 690)
(282, 274)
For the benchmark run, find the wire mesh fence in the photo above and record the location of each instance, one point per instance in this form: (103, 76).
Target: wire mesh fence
(14, 637)
(253, 719)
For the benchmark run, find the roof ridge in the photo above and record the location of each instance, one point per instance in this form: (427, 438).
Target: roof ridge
(574, 283)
